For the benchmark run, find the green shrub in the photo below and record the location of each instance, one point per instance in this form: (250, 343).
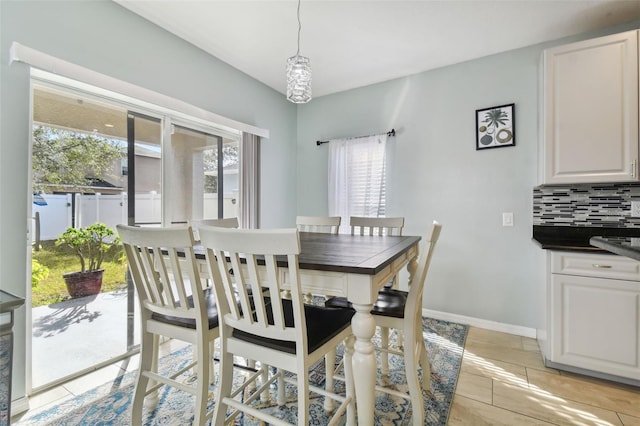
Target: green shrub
(39, 272)
(89, 244)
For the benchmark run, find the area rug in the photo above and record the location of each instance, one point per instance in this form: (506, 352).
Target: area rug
(110, 403)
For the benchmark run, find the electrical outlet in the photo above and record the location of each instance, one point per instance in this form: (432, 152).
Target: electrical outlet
(635, 208)
(507, 219)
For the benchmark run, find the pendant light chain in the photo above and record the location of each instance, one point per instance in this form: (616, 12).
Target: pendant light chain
(299, 29)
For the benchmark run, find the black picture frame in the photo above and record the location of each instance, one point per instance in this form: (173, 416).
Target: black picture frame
(495, 127)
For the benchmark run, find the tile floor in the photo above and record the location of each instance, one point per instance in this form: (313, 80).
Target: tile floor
(502, 382)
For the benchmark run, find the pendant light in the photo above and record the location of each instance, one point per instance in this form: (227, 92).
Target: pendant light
(299, 74)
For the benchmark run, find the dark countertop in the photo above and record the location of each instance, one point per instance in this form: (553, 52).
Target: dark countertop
(577, 238)
(624, 246)
(9, 302)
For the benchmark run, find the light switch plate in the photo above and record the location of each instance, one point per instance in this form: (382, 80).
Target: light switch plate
(635, 208)
(507, 219)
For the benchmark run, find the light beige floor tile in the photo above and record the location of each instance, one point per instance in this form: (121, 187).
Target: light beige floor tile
(475, 387)
(529, 344)
(56, 394)
(93, 380)
(575, 388)
(130, 364)
(493, 369)
(466, 411)
(552, 408)
(629, 420)
(496, 338)
(505, 354)
(171, 346)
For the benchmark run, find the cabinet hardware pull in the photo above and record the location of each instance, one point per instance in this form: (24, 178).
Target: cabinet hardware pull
(633, 169)
(596, 265)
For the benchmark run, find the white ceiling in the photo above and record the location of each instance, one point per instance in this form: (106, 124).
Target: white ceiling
(356, 43)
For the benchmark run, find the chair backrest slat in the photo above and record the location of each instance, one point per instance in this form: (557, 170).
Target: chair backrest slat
(174, 266)
(154, 285)
(275, 288)
(322, 224)
(223, 273)
(376, 225)
(253, 257)
(241, 282)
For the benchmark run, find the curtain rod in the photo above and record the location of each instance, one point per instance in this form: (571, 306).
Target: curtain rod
(391, 132)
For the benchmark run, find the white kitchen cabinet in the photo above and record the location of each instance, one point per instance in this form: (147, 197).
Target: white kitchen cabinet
(590, 111)
(594, 313)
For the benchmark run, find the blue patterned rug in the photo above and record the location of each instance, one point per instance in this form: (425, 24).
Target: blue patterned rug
(109, 404)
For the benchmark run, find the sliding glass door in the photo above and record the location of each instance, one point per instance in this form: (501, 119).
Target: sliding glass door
(99, 160)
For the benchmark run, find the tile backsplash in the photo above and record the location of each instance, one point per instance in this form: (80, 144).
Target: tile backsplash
(605, 205)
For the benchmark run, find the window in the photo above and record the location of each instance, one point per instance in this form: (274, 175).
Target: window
(357, 177)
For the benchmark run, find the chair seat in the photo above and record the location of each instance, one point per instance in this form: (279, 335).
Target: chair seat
(212, 313)
(322, 324)
(390, 303)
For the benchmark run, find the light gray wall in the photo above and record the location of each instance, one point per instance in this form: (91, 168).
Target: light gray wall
(480, 269)
(104, 37)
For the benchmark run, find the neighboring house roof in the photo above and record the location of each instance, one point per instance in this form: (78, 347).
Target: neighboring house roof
(100, 183)
(93, 185)
(145, 150)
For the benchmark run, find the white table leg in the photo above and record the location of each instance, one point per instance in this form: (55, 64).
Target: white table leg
(364, 363)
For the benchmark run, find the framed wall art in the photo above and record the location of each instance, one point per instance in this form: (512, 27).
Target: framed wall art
(495, 127)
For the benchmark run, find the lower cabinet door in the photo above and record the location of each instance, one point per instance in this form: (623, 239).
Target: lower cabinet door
(596, 324)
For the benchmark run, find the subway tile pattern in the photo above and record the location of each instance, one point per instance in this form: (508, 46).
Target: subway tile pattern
(605, 205)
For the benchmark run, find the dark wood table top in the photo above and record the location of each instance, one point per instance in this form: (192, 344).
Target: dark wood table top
(347, 253)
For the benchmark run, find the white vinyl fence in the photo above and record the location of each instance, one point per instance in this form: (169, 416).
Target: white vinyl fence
(56, 216)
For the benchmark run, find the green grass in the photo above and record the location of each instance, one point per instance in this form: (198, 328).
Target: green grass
(60, 260)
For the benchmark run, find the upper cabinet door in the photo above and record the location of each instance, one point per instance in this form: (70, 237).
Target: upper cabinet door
(590, 111)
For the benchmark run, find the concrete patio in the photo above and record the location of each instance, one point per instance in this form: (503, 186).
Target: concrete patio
(76, 334)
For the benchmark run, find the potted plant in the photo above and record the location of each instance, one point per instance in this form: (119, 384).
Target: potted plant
(90, 244)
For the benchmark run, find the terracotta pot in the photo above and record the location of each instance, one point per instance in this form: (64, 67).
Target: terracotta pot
(80, 284)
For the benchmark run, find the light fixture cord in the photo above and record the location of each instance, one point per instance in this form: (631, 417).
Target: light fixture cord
(299, 28)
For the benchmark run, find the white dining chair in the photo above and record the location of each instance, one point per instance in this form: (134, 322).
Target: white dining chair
(173, 303)
(226, 222)
(283, 333)
(376, 225)
(229, 223)
(403, 311)
(325, 224)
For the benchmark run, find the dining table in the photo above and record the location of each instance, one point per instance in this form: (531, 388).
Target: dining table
(356, 267)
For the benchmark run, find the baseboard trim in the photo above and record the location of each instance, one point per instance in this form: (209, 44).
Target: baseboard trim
(585, 372)
(481, 323)
(19, 405)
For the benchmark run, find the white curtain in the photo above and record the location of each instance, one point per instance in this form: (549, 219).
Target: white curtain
(357, 177)
(250, 181)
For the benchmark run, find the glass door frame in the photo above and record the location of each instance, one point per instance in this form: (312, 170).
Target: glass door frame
(220, 134)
